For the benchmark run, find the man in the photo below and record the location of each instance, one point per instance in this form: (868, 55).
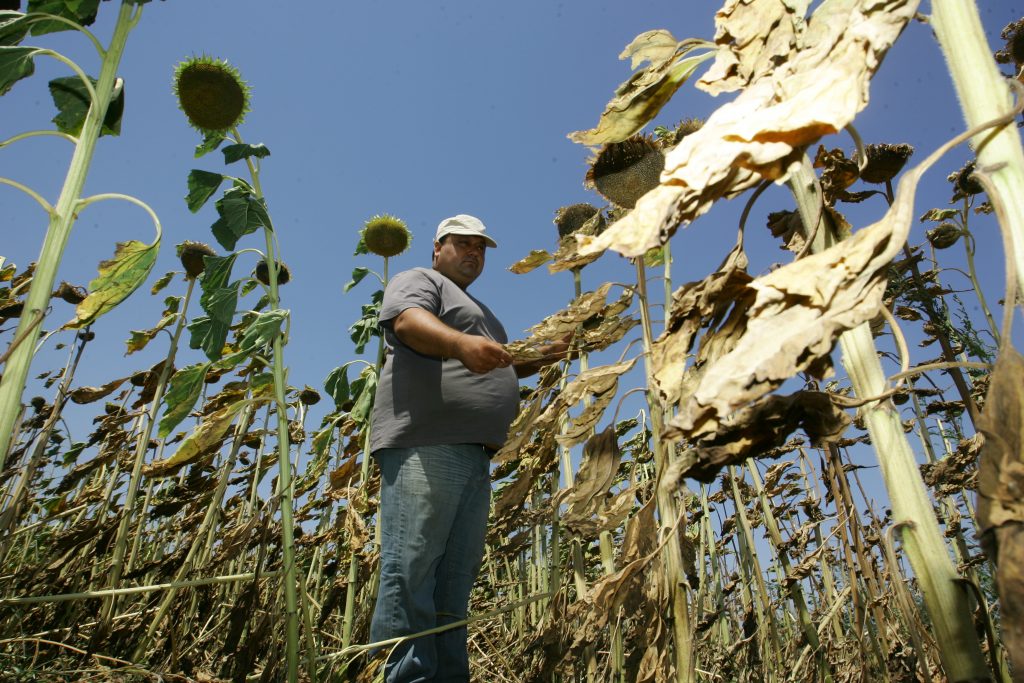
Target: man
(446, 397)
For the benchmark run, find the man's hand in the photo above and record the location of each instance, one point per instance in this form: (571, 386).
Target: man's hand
(480, 354)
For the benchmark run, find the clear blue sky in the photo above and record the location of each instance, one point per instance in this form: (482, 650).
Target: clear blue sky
(418, 109)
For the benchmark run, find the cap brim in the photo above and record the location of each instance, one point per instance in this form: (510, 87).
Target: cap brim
(487, 238)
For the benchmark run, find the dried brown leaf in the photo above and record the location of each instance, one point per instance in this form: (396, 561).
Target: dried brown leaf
(798, 88)
(89, 394)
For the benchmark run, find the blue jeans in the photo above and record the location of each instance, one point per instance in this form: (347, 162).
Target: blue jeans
(434, 502)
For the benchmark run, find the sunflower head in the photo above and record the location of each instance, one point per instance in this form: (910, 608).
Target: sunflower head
(965, 182)
(884, 161)
(571, 218)
(212, 94)
(191, 255)
(624, 171)
(262, 273)
(386, 235)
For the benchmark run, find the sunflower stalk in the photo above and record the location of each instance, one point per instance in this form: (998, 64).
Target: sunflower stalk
(61, 220)
(945, 599)
(141, 446)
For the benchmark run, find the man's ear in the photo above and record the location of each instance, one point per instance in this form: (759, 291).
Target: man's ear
(437, 249)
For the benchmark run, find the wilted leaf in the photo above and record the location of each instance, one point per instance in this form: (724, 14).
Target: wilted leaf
(594, 478)
(205, 437)
(756, 429)
(794, 97)
(140, 338)
(640, 98)
(258, 333)
(118, 277)
(1000, 482)
(533, 260)
(90, 394)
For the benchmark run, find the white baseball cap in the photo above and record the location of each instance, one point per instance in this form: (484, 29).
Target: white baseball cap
(463, 224)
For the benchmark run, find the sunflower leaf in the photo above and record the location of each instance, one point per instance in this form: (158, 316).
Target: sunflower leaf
(15, 64)
(183, 391)
(201, 186)
(73, 101)
(233, 153)
(79, 11)
(118, 278)
(13, 27)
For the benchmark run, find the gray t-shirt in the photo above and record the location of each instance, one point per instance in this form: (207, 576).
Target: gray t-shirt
(426, 401)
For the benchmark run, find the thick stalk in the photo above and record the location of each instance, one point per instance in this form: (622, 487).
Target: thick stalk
(678, 603)
(61, 221)
(141, 446)
(945, 599)
(291, 598)
(984, 94)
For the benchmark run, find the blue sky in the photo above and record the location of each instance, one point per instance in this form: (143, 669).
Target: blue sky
(421, 110)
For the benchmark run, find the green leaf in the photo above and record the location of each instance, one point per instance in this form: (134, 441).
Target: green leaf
(240, 214)
(80, 11)
(162, 282)
(118, 277)
(183, 391)
(220, 305)
(260, 332)
(360, 412)
(337, 387)
(357, 276)
(210, 142)
(72, 101)
(368, 326)
(201, 186)
(217, 272)
(640, 98)
(361, 247)
(13, 27)
(15, 64)
(233, 153)
(203, 439)
(73, 452)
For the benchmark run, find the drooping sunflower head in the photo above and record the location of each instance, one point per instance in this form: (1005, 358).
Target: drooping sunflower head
(571, 218)
(212, 94)
(386, 235)
(625, 171)
(191, 255)
(884, 161)
(262, 273)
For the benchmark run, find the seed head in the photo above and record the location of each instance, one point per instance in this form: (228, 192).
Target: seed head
(309, 396)
(571, 218)
(70, 293)
(964, 182)
(625, 171)
(262, 273)
(212, 94)
(386, 235)
(944, 235)
(884, 161)
(1013, 50)
(192, 255)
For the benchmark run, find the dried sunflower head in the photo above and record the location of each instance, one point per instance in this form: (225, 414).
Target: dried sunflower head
(1013, 50)
(624, 171)
(964, 182)
(70, 293)
(944, 235)
(192, 255)
(571, 218)
(386, 235)
(309, 396)
(884, 161)
(212, 94)
(262, 273)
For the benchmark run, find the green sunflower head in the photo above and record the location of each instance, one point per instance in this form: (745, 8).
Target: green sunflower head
(386, 235)
(212, 94)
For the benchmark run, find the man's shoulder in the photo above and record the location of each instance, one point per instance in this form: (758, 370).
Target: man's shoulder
(419, 273)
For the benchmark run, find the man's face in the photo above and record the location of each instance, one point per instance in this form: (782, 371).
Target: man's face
(460, 258)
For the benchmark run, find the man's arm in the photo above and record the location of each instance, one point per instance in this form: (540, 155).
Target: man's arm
(424, 332)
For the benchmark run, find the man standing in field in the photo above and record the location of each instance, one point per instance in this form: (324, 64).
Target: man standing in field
(446, 397)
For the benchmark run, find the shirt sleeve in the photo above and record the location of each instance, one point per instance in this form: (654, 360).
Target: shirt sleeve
(409, 289)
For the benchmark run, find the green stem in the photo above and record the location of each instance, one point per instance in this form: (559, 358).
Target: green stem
(141, 446)
(944, 598)
(984, 95)
(61, 221)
